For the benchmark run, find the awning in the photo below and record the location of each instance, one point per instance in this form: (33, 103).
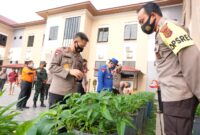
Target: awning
(13, 66)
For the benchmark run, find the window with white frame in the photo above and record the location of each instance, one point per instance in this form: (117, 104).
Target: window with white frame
(98, 64)
(130, 32)
(103, 34)
(53, 33)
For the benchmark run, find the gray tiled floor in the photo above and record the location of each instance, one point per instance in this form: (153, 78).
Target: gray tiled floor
(26, 114)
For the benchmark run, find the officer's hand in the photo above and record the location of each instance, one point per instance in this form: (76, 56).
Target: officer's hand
(76, 73)
(45, 81)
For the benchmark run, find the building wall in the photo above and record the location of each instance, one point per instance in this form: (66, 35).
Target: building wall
(32, 53)
(17, 44)
(142, 48)
(4, 51)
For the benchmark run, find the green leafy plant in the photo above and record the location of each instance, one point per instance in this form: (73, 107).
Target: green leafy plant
(92, 113)
(7, 124)
(198, 111)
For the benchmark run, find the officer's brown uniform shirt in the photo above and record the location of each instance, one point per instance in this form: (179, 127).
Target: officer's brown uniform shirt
(172, 82)
(62, 82)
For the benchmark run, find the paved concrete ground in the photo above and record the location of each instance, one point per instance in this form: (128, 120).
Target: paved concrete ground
(26, 114)
(159, 124)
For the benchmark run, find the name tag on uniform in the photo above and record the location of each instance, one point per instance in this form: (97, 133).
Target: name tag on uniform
(175, 37)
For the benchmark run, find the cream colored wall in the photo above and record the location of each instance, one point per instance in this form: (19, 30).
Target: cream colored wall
(89, 24)
(36, 50)
(195, 21)
(115, 44)
(88, 21)
(8, 31)
(141, 61)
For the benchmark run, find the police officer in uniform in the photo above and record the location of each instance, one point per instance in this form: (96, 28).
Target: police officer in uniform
(40, 84)
(178, 67)
(66, 68)
(105, 76)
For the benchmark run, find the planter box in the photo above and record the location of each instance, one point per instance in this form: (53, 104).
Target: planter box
(149, 109)
(139, 119)
(131, 130)
(145, 117)
(196, 126)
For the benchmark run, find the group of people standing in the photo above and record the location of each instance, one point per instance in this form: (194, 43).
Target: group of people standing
(30, 76)
(67, 74)
(12, 78)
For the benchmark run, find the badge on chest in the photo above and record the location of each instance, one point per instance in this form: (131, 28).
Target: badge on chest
(67, 66)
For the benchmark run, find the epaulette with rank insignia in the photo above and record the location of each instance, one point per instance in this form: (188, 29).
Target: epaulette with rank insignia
(58, 51)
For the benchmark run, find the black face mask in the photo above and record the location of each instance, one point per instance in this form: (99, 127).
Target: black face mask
(147, 27)
(78, 49)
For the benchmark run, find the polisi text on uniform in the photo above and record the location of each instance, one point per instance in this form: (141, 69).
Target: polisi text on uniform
(179, 39)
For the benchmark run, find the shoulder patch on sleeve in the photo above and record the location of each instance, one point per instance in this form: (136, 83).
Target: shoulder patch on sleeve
(166, 31)
(103, 69)
(58, 51)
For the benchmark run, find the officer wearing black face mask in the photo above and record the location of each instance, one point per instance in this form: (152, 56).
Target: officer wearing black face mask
(66, 69)
(148, 27)
(178, 66)
(78, 49)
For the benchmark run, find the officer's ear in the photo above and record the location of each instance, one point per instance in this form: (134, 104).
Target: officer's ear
(153, 15)
(75, 41)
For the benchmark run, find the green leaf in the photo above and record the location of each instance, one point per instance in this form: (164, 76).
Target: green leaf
(121, 127)
(44, 126)
(129, 123)
(24, 127)
(2, 91)
(106, 113)
(89, 113)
